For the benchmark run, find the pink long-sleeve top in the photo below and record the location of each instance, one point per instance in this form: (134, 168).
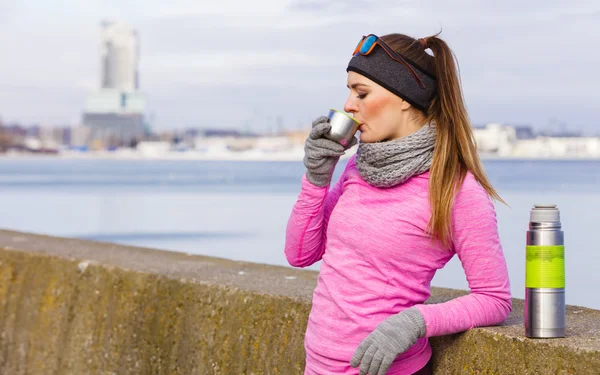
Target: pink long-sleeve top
(377, 261)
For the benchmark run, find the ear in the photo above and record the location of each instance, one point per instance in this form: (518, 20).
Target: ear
(404, 105)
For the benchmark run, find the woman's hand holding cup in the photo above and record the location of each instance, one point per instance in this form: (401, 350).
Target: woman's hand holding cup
(321, 153)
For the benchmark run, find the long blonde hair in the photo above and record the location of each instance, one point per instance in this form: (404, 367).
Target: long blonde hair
(455, 151)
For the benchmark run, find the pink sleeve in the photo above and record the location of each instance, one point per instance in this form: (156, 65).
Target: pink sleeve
(476, 242)
(306, 232)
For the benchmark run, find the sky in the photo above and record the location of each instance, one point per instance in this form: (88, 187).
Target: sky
(255, 65)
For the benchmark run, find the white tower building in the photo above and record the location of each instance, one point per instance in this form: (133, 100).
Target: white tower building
(119, 53)
(115, 112)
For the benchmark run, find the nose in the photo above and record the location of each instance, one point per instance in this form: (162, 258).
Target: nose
(350, 105)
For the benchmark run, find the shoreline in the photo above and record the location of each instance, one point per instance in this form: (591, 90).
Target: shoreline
(242, 156)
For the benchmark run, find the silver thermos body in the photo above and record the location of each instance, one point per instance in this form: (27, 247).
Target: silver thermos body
(545, 308)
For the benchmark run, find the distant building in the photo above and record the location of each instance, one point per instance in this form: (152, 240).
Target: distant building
(524, 132)
(115, 113)
(221, 133)
(119, 53)
(494, 138)
(115, 117)
(558, 147)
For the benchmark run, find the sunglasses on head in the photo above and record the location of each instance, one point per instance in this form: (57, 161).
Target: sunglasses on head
(367, 44)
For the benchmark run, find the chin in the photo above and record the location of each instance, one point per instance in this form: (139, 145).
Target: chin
(365, 138)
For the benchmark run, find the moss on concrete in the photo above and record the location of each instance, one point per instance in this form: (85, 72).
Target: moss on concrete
(81, 307)
(55, 319)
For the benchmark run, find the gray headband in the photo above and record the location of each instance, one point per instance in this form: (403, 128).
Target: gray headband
(395, 77)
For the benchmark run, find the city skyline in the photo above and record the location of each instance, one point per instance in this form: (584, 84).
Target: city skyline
(238, 65)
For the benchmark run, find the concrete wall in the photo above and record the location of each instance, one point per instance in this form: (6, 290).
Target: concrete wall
(82, 307)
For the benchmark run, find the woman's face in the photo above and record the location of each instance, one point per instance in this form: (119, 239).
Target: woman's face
(382, 115)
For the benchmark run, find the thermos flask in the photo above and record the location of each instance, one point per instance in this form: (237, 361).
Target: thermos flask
(545, 308)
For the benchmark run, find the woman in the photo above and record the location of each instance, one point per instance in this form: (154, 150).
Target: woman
(414, 195)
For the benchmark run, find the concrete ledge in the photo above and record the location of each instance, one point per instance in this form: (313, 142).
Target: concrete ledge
(81, 307)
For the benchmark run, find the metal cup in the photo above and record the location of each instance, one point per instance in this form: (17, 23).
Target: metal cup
(343, 127)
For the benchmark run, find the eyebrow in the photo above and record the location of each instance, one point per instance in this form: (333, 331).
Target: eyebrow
(355, 85)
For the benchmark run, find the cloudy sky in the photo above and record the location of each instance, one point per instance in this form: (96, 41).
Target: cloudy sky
(237, 63)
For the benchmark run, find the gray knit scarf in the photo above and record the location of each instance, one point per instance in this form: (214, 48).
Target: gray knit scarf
(386, 164)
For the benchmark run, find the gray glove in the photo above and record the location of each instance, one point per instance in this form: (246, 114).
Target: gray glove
(392, 337)
(322, 154)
